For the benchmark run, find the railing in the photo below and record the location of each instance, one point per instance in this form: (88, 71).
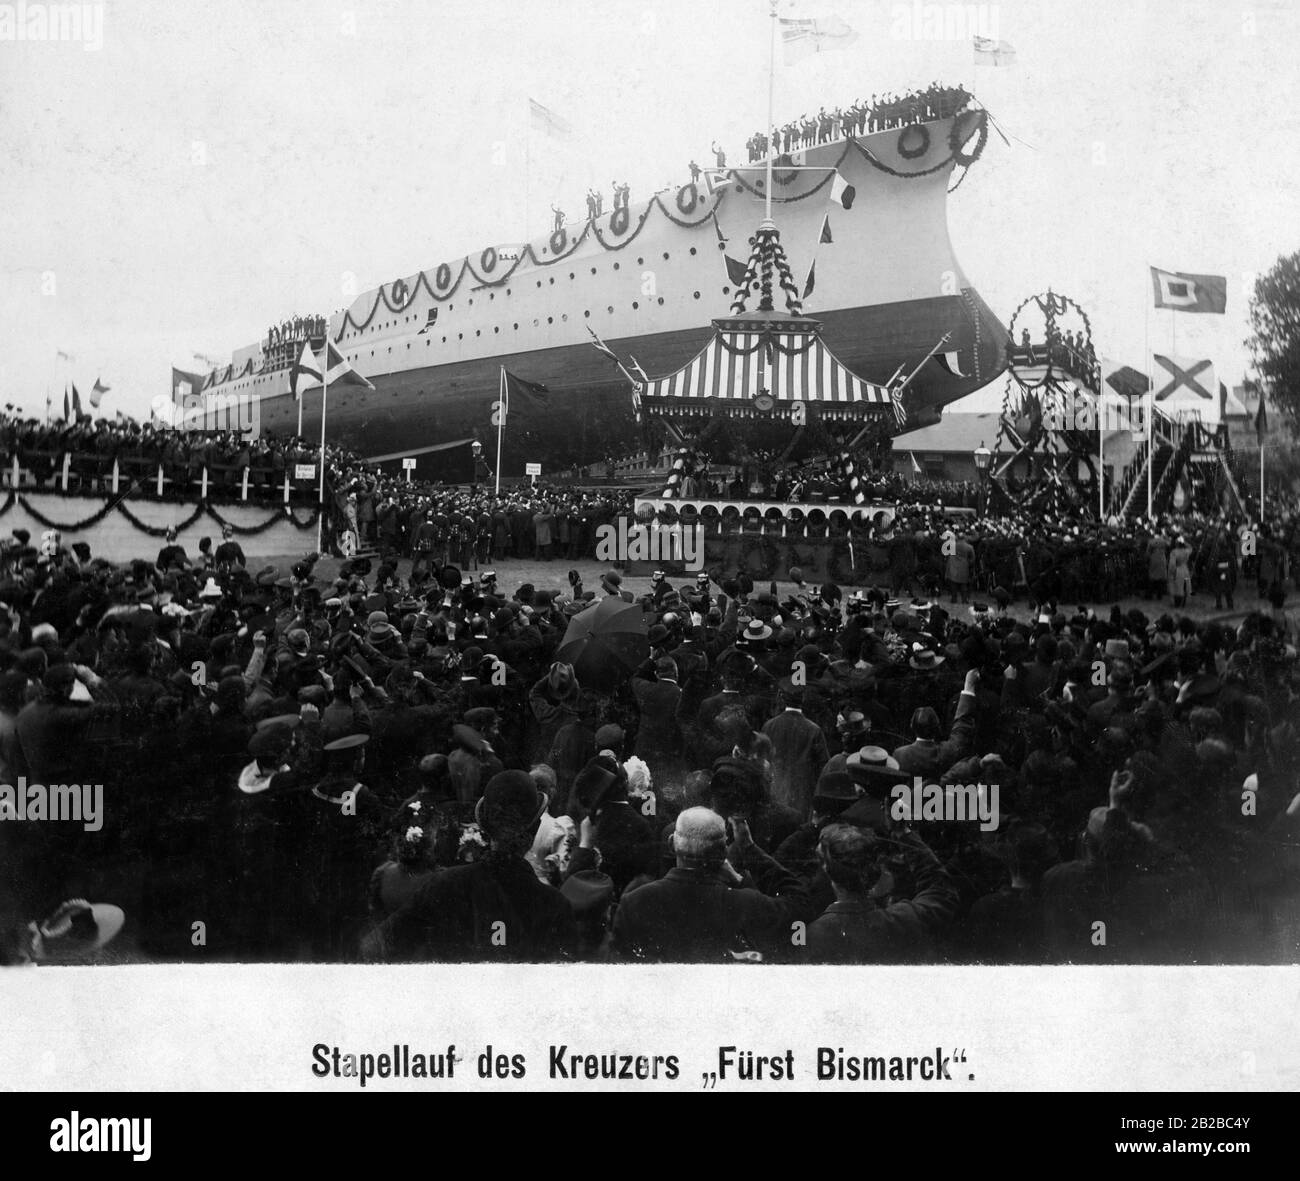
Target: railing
(89, 472)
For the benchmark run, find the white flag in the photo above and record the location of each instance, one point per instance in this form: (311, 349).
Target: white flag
(994, 53)
(803, 38)
(545, 120)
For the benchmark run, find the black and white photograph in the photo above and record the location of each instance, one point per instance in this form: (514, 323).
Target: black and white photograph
(767, 499)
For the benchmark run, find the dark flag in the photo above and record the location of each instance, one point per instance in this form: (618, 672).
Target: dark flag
(1223, 402)
(525, 395)
(184, 383)
(812, 280)
(76, 402)
(826, 230)
(735, 271)
(1261, 420)
(67, 412)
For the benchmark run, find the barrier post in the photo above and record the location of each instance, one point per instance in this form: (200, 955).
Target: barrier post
(286, 486)
(243, 491)
(203, 484)
(160, 479)
(16, 473)
(67, 467)
(116, 475)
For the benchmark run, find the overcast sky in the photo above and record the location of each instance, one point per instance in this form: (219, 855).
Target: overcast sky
(215, 167)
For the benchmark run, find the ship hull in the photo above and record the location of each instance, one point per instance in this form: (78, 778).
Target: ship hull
(879, 274)
(588, 414)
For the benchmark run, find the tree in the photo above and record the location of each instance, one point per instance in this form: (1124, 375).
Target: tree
(1275, 336)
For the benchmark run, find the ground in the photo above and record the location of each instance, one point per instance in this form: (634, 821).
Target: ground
(553, 575)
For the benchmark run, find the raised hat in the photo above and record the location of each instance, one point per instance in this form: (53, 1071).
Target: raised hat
(347, 742)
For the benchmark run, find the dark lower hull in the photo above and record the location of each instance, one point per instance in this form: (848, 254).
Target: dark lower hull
(589, 407)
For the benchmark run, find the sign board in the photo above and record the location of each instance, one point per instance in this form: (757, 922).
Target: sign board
(304, 471)
(408, 463)
(532, 469)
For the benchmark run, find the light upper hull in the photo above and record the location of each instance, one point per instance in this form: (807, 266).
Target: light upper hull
(881, 277)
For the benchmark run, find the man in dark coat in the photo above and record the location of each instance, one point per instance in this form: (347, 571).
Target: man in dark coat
(659, 736)
(798, 751)
(700, 912)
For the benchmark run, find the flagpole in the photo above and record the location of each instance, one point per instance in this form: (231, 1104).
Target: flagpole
(1101, 462)
(771, 101)
(501, 418)
(324, 399)
(1151, 397)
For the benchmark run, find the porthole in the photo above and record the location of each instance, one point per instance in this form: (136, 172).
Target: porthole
(661, 301)
(697, 295)
(550, 319)
(692, 249)
(635, 305)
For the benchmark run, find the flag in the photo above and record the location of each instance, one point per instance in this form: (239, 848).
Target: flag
(97, 392)
(66, 412)
(811, 281)
(545, 120)
(76, 401)
(804, 38)
(916, 467)
(1190, 293)
(951, 361)
(305, 373)
(1186, 379)
(842, 192)
(184, 384)
(994, 53)
(340, 371)
(522, 395)
(1126, 381)
(736, 271)
(826, 230)
(900, 411)
(1223, 402)
(1261, 420)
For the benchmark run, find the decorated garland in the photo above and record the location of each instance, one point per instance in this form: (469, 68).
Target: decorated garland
(956, 140)
(487, 261)
(688, 196)
(683, 465)
(444, 287)
(766, 256)
(154, 530)
(559, 239)
(920, 130)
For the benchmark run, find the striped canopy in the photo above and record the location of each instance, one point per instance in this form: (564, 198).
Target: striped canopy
(791, 366)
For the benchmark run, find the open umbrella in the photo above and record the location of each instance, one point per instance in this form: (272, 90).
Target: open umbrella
(605, 643)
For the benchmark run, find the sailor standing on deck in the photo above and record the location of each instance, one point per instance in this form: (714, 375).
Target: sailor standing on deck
(559, 217)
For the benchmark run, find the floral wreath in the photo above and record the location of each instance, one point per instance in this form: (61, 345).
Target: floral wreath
(915, 130)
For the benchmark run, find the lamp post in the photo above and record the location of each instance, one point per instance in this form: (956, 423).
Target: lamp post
(982, 457)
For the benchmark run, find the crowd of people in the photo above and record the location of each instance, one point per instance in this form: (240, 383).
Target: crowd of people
(296, 330)
(392, 761)
(864, 117)
(139, 448)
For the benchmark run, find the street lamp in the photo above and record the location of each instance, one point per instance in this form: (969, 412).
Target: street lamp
(982, 457)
